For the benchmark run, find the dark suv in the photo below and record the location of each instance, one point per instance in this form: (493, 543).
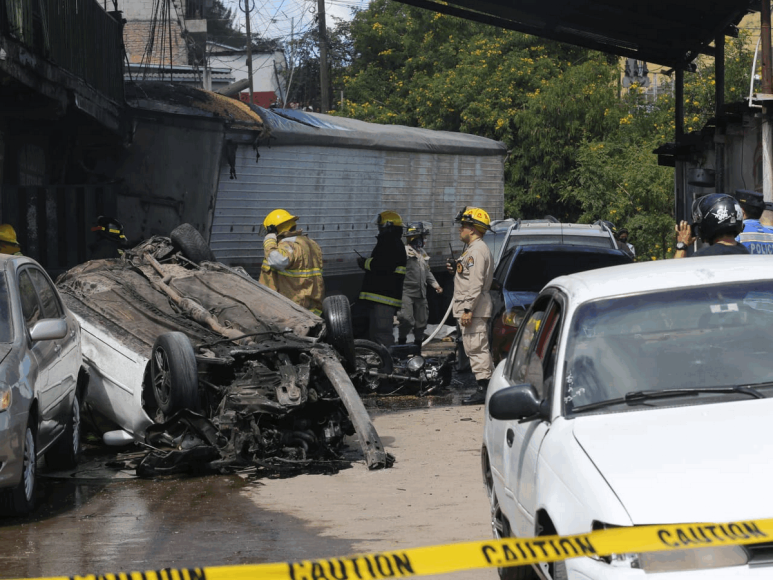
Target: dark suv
(531, 255)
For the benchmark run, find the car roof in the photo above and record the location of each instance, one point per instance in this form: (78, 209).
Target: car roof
(548, 228)
(658, 275)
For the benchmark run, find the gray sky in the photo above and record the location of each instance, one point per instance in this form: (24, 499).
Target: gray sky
(278, 18)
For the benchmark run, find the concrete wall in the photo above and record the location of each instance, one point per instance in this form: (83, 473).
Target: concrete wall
(143, 9)
(169, 174)
(263, 77)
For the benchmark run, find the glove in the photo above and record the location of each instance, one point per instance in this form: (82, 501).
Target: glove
(272, 230)
(361, 262)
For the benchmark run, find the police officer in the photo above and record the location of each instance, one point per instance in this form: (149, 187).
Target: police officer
(718, 219)
(757, 238)
(622, 236)
(474, 272)
(292, 263)
(110, 240)
(8, 242)
(382, 287)
(415, 310)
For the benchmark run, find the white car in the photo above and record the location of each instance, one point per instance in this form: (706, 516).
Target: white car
(633, 395)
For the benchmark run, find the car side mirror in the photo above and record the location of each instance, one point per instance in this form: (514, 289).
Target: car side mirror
(48, 329)
(514, 403)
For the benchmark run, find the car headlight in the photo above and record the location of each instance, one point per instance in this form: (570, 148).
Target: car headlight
(513, 317)
(416, 363)
(5, 397)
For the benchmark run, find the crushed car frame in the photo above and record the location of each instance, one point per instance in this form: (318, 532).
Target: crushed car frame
(207, 367)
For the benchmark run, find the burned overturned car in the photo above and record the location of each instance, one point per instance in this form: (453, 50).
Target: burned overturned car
(207, 368)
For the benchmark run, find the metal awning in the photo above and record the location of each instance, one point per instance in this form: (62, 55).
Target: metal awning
(666, 32)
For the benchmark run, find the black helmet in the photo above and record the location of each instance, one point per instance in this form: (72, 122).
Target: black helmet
(110, 229)
(415, 229)
(715, 215)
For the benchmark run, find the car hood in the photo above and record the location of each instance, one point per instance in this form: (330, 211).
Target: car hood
(701, 463)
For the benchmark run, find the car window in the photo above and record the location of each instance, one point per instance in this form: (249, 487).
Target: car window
(532, 270)
(46, 293)
(536, 363)
(30, 306)
(709, 336)
(6, 322)
(566, 240)
(522, 347)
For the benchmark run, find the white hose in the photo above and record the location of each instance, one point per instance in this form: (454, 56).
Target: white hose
(439, 326)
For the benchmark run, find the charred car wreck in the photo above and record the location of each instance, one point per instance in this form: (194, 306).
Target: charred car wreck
(209, 369)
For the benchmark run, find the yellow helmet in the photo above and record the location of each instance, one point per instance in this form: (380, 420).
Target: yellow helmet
(476, 217)
(389, 218)
(8, 234)
(282, 219)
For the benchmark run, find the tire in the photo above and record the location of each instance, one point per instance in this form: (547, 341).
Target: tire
(559, 571)
(338, 320)
(371, 356)
(502, 531)
(64, 454)
(192, 244)
(20, 500)
(174, 374)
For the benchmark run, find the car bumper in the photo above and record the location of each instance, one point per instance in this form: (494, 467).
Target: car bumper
(588, 569)
(12, 429)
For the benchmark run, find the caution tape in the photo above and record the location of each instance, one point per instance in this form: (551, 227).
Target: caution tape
(472, 555)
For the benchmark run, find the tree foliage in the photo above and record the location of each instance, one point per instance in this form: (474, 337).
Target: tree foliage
(222, 27)
(578, 150)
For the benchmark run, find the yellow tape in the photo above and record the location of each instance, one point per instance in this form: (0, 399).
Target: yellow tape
(473, 555)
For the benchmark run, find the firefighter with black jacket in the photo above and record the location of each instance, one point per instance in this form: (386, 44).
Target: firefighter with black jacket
(382, 288)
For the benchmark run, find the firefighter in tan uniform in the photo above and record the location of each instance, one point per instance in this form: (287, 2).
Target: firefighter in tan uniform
(472, 307)
(292, 263)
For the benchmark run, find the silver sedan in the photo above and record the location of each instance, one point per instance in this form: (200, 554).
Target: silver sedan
(41, 377)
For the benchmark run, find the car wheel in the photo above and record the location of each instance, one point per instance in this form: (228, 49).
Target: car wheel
(192, 244)
(173, 373)
(369, 356)
(65, 452)
(501, 531)
(338, 320)
(20, 500)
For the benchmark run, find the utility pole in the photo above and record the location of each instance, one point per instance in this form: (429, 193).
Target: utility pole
(767, 89)
(323, 82)
(249, 44)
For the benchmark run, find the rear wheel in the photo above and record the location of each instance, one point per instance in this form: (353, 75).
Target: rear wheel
(338, 320)
(371, 356)
(20, 500)
(65, 452)
(174, 374)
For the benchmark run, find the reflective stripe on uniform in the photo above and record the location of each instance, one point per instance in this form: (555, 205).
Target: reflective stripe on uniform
(381, 299)
(400, 270)
(755, 237)
(299, 273)
(367, 263)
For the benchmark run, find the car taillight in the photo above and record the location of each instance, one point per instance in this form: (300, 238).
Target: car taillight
(513, 317)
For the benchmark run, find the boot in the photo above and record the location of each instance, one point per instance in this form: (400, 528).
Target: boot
(401, 339)
(417, 340)
(479, 396)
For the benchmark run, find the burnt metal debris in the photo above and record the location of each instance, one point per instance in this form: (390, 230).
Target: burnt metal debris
(269, 391)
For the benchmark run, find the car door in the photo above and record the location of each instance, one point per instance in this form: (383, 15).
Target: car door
(63, 372)
(533, 363)
(44, 355)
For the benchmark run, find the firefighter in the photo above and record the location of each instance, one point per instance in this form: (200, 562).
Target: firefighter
(8, 242)
(110, 240)
(415, 310)
(292, 263)
(474, 272)
(382, 288)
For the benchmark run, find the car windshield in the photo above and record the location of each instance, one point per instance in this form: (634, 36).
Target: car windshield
(532, 270)
(6, 323)
(686, 338)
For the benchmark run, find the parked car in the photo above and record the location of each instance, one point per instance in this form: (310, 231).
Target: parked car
(534, 253)
(638, 395)
(199, 360)
(41, 379)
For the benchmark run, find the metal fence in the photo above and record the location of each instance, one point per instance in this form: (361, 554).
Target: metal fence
(77, 35)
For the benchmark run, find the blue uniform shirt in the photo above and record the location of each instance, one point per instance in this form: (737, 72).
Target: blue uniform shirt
(757, 238)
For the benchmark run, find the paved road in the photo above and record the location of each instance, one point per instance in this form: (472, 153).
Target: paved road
(106, 523)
